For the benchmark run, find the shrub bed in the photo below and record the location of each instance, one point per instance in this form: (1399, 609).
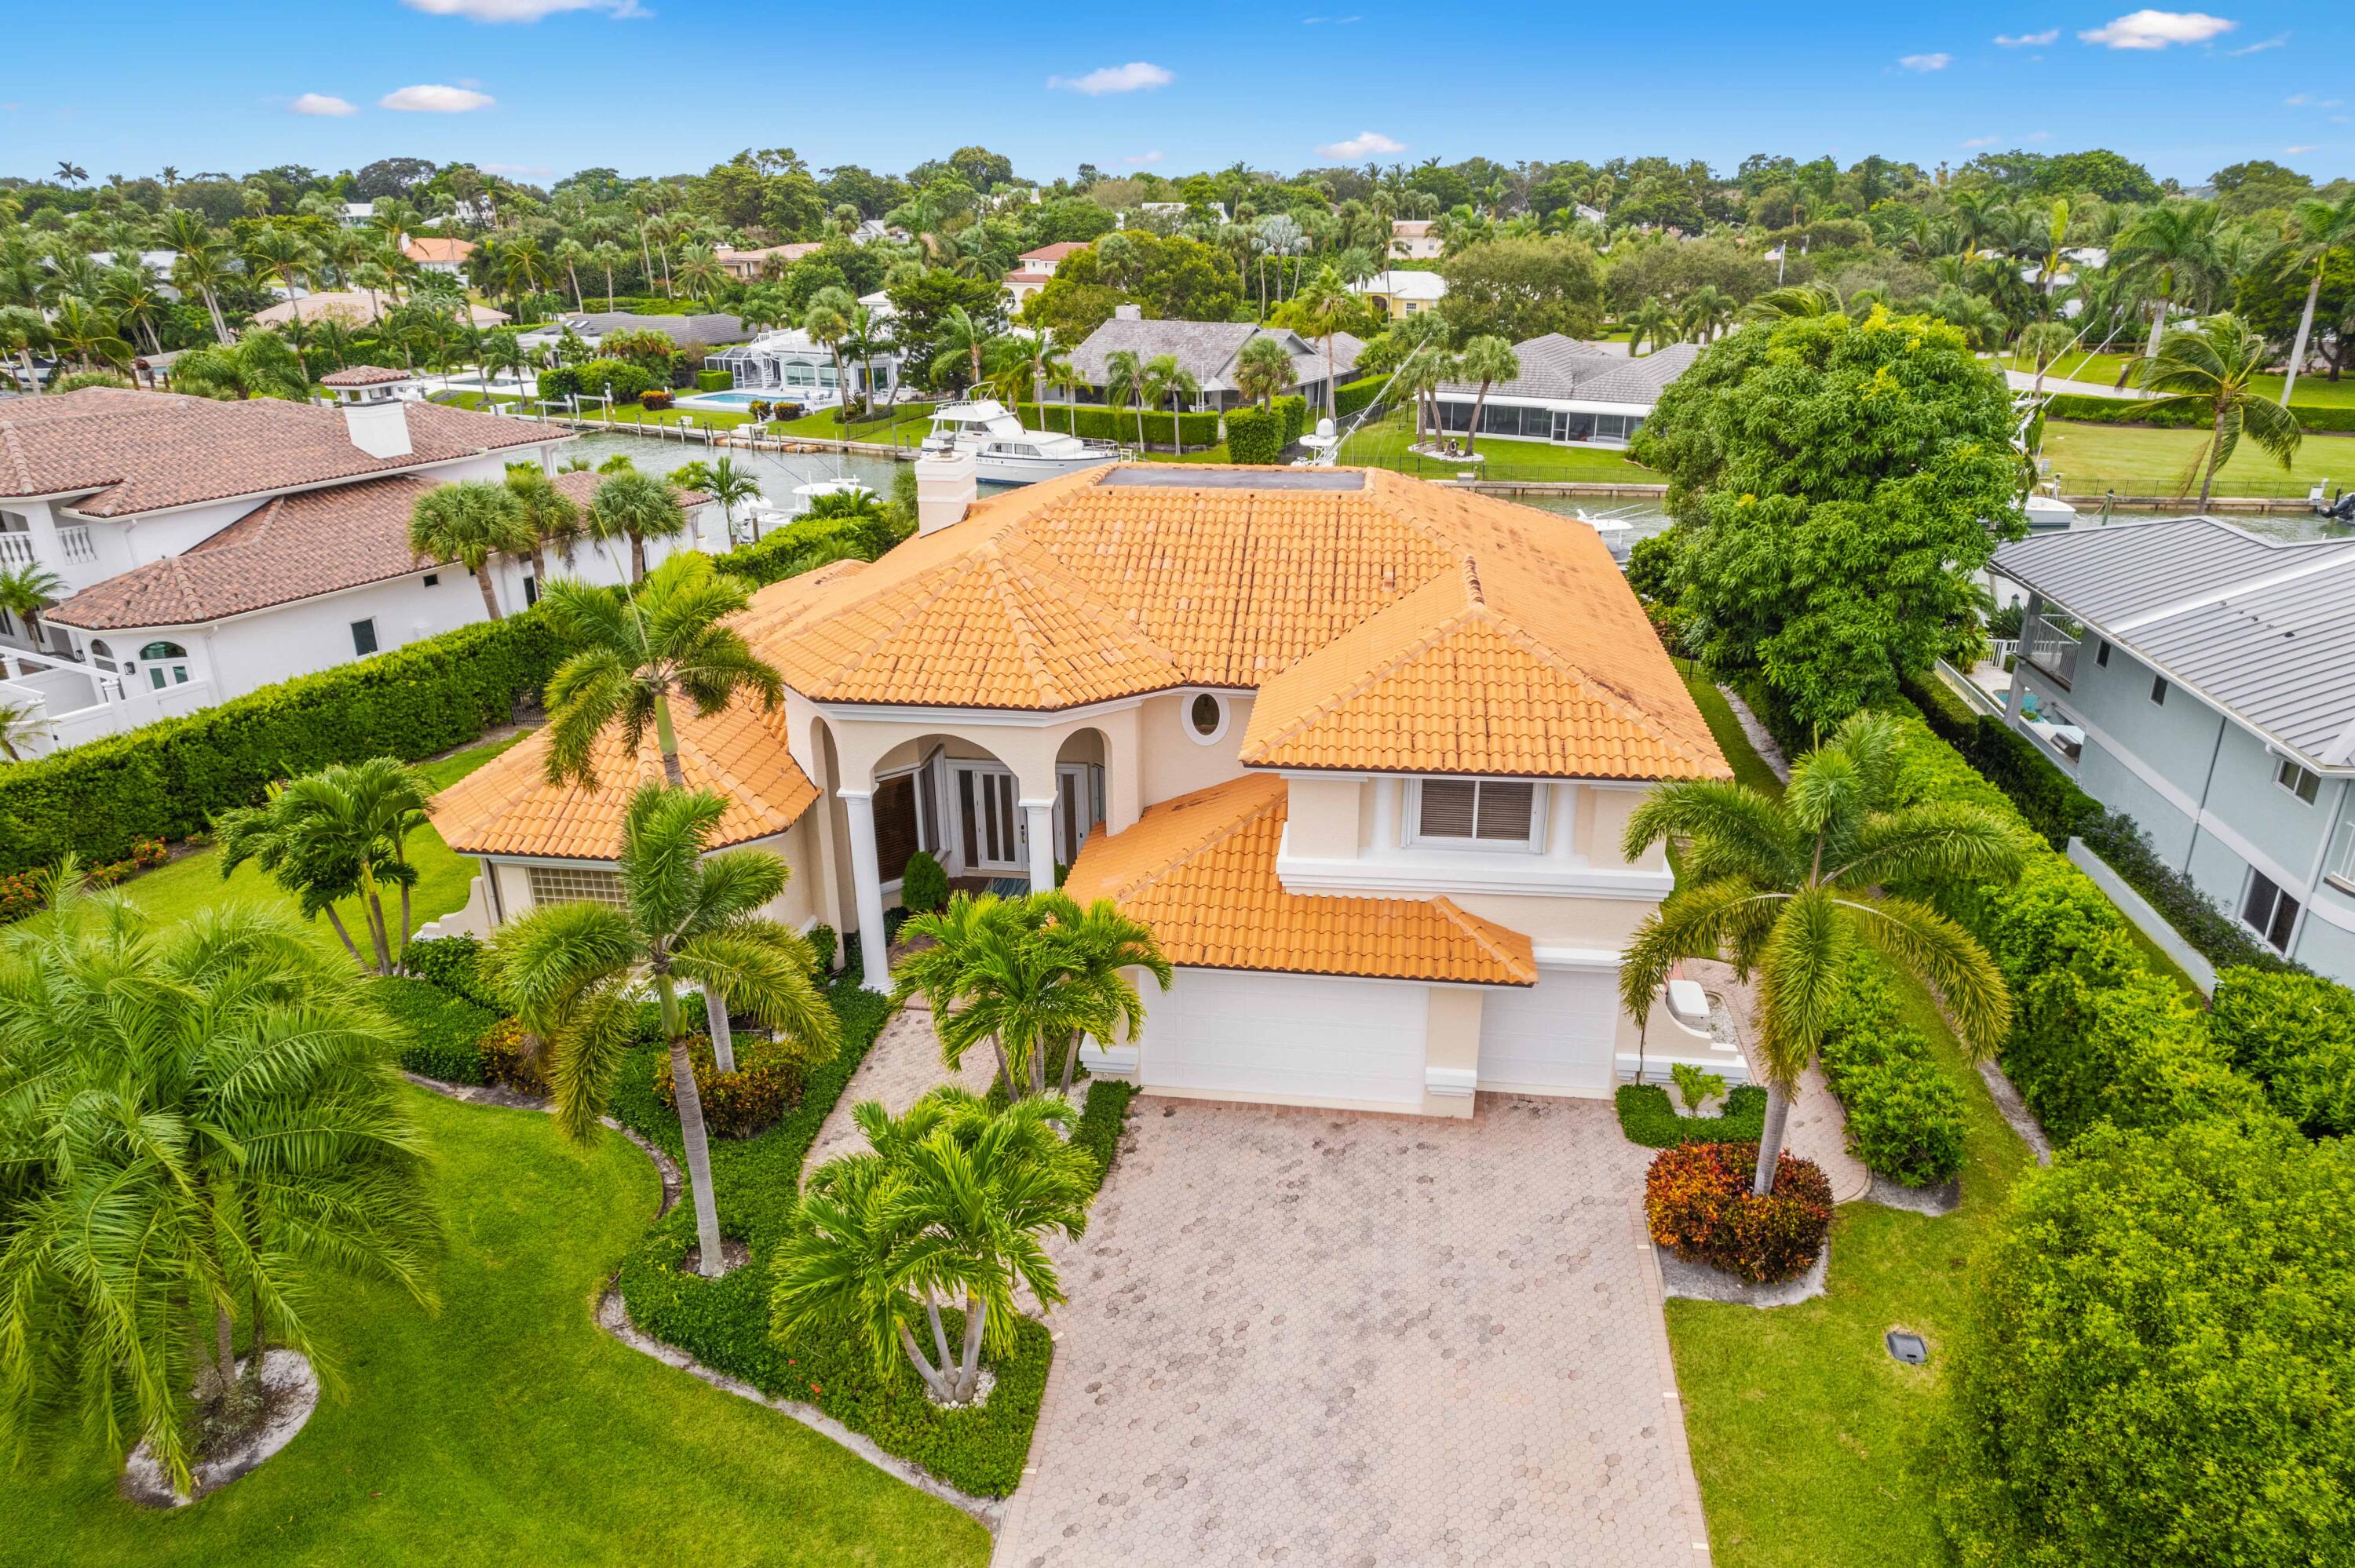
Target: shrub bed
(443, 1030)
(2295, 1034)
(1254, 435)
(741, 1104)
(512, 1057)
(1647, 1115)
(456, 964)
(1100, 423)
(1904, 1114)
(1698, 1202)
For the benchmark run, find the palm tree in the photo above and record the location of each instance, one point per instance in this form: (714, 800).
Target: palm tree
(608, 256)
(86, 333)
(731, 487)
(569, 253)
(1102, 944)
(2317, 229)
(698, 269)
(25, 591)
(21, 722)
(668, 635)
(2172, 245)
(199, 1123)
(2043, 343)
(1263, 372)
(341, 832)
(278, 251)
(950, 1201)
(828, 323)
(259, 365)
(1706, 310)
(1321, 304)
(638, 508)
(129, 290)
(960, 333)
(1787, 303)
(1486, 360)
(548, 512)
(1651, 322)
(1165, 378)
(1787, 888)
(470, 523)
(2212, 369)
(23, 330)
(572, 972)
(1125, 384)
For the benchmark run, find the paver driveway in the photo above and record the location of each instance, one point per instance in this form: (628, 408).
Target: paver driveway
(1314, 1337)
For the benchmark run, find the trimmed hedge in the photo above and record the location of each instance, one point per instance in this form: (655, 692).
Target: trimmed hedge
(1647, 1115)
(168, 779)
(2086, 409)
(1099, 423)
(1100, 1124)
(1254, 435)
(1352, 396)
(444, 1029)
(714, 381)
(2295, 1034)
(1904, 1114)
(1293, 409)
(453, 963)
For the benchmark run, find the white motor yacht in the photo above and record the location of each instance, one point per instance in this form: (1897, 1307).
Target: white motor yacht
(1007, 454)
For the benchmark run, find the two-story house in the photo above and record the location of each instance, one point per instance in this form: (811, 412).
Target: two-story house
(1032, 268)
(2201, 679)
(1415, 240)
(206, 548)
(1360, 750)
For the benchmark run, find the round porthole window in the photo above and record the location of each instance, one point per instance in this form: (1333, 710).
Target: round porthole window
(1206, 717)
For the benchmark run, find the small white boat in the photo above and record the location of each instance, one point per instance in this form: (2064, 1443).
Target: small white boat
(1618, 534)
(2049, 512)
(1004, 451)
(756, 520)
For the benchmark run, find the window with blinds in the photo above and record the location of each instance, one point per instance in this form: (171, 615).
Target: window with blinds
(1484, 810)
(566, 884)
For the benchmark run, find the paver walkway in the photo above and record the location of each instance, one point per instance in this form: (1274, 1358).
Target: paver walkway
(1818, 1128)
(902, 1063)
(1320, 1337)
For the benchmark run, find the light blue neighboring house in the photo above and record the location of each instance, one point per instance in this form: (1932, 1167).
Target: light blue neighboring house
(2201, 679)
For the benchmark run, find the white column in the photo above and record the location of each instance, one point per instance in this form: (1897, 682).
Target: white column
(866, 885)
(1039, 819)
(1386, 814)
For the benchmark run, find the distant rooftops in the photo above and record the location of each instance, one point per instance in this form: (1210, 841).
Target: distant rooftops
(1558, 369)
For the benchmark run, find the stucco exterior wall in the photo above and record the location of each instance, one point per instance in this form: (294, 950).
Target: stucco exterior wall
(1173, 763)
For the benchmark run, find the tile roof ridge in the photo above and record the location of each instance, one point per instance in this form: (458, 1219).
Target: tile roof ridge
(1277, 797)
(1629, 706)
(13, 445)
(1478, 929)
(992, 560)
(1407, 654)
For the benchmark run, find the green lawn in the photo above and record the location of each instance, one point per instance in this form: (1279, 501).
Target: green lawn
(2137, 461)
(1383, 443)
(1808, 1437)
(625, 414)
(2317, 390)
(913, 421)
(1749, 767)
(194, 882)
(507, 1429)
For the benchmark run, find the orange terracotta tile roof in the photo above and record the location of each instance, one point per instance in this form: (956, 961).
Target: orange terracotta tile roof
(508, 807)
(1200, 870)
(433, 248)
(1095, 586)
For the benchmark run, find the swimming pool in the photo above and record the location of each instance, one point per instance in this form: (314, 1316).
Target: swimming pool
(741, 398)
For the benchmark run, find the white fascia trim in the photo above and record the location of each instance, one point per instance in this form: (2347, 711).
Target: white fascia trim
(1375, 775)
(1577, 957)
(1001, 718)
(1414, 877)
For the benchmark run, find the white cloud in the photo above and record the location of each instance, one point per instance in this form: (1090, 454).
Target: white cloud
(2301, 101)
(1140, 160)
(431, 99)
(1926, 62)
(1137, 76)
(2303, 147)
(1364, 144)
(2027, 40)
(2276, 41)
(321, 103)
(512, 170)
(519, 10)
(2158, 29)
(1983, 141)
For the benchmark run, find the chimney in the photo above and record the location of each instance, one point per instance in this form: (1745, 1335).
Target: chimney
(1128, 313)
(945, 487)
(374, 414)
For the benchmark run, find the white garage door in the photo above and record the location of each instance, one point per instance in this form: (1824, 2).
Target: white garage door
(1293, 1037)
(1553, 1038)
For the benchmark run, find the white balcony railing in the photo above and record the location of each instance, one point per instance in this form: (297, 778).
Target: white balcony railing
(2049, 648)
(17, 549)
(2340, 866)
(74, 545)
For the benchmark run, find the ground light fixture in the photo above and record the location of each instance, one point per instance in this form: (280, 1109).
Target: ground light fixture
(1911, 1348)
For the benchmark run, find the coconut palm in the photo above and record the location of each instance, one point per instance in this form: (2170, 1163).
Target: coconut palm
(1486, 360)
(86, 332)
(1651, 323)
(2318, 231)
(2210, 370)
(198, 1123)
(1125, 385)
(631, 653)
(26, 590)
(471, 523)
(960, 333)
(548, 512)
(341, 832)
(1264, 372)
(1320, 305)
(637, 507)
(1166, 378)
(23, 330)
(278, 251)
(2173, 247)
(572, 972)
(129, 292)
(951, 1201)
(827, 320)
(570, 254)
(608, 256)
(1788, 889)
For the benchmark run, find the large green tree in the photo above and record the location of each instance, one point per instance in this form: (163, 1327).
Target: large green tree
(1837, 484)
(1518, 289)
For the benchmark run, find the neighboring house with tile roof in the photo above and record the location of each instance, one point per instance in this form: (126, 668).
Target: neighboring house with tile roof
(597, 326)
(766, 261)
(1033, 268)
(2201, 678)
(1568, 393)
(433, 253)
(209, 548)
(1208, 351)
(354, 308)
(1359, 750)
(1415, 240)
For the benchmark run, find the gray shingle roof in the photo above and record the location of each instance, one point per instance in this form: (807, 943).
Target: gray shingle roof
(678, 329)
(2263, 629)
(1561, 369)
(1207, 350)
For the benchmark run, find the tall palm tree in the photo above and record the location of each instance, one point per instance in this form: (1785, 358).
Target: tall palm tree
(277, 251)
(1787, 889)
(1486, 360)
(2043, 343)
(1264, 372)
(608, 256)
(86, 332)
(572, 972)
(199, 1123)
(2172, 246)
(729, 485)
(1125, 385)
(1166, 378)
(548, 512)
(630, 654)
(636, 507)
(950, 1201)
(1706, 310)
(827, 322)
(569, 254)
(471, 523)
(129, 291)
(22, 330)
(341, 832)
(2318, 231)
(2212, 369)
(25, 591)
(960, 333)
(1321, 304)
(1652, 323)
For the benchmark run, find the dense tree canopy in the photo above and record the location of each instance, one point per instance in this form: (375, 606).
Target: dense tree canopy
(1521, 289)
(1833, 482)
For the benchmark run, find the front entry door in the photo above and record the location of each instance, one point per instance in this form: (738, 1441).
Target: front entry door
(989, 818)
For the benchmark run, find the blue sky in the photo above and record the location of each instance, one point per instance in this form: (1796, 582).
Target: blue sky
(538, 88)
